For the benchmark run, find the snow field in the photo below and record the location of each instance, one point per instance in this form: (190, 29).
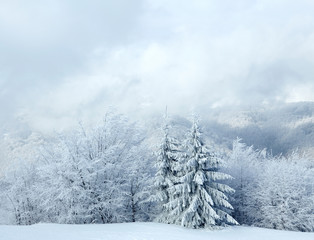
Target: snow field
(142, 231)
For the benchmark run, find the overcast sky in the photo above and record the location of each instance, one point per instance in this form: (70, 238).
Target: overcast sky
(64, 60)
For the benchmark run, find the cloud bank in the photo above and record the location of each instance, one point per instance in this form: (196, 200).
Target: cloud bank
(66, 60)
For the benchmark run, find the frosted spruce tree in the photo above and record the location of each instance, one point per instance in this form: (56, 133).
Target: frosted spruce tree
(199, 200)
(168, 157)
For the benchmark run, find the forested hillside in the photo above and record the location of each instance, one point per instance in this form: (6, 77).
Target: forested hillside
(119, 171)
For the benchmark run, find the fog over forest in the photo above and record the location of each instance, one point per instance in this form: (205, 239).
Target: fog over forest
(73, 73)
(65, 62)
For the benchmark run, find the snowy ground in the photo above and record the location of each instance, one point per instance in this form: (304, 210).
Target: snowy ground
(141, 231)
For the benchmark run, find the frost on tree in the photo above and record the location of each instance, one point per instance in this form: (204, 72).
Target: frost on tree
(167, 168)
(244, 164)
(87, 178)
(199, 198)
(284, 194)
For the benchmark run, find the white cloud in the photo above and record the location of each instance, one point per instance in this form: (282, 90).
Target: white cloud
(68, 60)
(300, 92)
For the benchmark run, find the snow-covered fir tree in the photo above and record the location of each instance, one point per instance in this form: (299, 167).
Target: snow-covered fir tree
(168, 160)
(199, 199)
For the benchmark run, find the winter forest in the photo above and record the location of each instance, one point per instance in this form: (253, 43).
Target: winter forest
(155, 119)
(114, 172)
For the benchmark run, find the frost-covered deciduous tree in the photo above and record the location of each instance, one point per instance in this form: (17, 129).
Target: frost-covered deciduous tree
(22, 195)
(67, 176)
(271, 191)
(139, 187)
(200, 198)
(18, 193)
(89, 174)
(284, 194)
(243, 164)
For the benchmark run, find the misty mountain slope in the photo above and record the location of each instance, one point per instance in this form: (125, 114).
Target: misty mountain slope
(141, 231)
(279, 128)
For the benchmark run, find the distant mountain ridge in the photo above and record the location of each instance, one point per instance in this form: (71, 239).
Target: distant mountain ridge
(279, 128)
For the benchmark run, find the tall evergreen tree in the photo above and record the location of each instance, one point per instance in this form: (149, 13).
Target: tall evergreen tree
(199, 199)
(168, 157)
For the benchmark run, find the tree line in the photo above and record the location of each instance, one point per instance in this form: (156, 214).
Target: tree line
(113, 172)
